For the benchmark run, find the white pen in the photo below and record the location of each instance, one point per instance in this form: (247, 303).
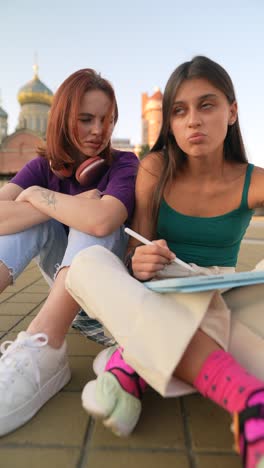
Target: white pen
(147, 242)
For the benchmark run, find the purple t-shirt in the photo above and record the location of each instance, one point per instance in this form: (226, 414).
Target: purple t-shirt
(118, 180)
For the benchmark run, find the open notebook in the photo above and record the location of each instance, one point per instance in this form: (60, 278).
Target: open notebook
(206, 283)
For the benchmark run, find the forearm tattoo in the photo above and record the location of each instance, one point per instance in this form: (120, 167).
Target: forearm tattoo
(48, 197)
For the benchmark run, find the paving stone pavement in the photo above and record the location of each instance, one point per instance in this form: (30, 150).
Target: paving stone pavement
(188, 432)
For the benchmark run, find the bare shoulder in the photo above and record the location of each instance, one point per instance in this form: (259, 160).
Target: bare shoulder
(152, 163)
(149, 173)
(256, 191)
(150, 169)
(258, 172)
(237, 171)
(257, 178)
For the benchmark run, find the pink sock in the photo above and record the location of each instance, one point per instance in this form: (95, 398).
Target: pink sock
(126, 376)
(225, 382)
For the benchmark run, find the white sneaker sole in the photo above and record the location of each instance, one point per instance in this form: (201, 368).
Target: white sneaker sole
(105, 399)
(25, 412)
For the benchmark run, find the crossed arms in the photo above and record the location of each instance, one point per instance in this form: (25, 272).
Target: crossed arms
(87, 212)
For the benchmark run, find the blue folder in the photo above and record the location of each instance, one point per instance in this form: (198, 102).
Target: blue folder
(206, 283)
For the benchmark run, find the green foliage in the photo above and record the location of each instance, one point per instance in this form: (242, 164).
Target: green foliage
(143, 151)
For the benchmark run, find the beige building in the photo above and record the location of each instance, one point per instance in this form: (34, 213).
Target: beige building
(122, 144)
(3, 124)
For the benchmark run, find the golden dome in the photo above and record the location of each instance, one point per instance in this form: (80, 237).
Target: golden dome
(35, 92)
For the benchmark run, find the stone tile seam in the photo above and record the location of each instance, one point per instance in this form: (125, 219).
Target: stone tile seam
(25, 445)
(102, 448)
(187, 435)
(19, 321)
(85, 450)
(20, 290)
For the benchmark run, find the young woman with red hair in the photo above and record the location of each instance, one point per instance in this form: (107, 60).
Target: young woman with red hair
(77, 193)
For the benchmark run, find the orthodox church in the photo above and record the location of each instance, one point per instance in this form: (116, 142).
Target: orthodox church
(16, 149)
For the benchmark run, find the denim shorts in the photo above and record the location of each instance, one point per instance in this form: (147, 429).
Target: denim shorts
(52, 249)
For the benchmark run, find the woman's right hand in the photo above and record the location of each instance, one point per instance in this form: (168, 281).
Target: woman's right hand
(149, 259)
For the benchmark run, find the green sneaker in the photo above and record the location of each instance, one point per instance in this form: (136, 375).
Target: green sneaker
(115, 396)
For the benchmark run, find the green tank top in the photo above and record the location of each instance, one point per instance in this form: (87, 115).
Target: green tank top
(206, 241)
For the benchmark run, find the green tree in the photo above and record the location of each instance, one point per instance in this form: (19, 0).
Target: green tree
(143, 151)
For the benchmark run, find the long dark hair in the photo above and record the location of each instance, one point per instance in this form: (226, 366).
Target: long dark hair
(173, 157)
(63, 147)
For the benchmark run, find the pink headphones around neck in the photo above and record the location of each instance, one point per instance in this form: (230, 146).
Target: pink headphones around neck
(87, 173)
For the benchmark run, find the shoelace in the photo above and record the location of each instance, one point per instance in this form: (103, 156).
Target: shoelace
(11, 360)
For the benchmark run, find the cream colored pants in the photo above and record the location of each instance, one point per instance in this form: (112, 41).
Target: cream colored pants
(154, 329)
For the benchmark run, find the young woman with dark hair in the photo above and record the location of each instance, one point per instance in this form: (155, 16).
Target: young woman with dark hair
(78, 192)
(195, 196)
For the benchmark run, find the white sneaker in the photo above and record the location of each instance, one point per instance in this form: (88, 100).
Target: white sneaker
(31, 372)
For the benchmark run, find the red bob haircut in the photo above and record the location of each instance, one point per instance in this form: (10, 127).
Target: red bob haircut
(62, 147)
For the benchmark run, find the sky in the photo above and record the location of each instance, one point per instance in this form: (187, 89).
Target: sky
(136, 45)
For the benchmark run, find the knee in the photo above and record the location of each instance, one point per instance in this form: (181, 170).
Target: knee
(86, 258)
(6, 276)
(87, 263)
